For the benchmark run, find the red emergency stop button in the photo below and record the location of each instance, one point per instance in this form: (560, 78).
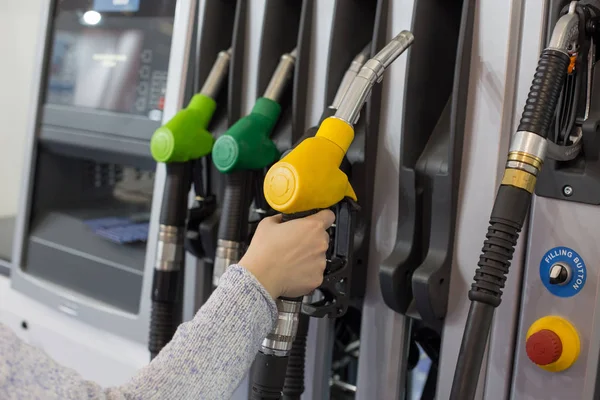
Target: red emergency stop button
(552, 343)
(544, 347)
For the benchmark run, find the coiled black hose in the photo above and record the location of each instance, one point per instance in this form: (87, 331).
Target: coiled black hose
(545, 90)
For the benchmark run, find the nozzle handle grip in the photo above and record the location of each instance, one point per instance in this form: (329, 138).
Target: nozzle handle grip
(298, 215)
(236, 203)
(178, 182)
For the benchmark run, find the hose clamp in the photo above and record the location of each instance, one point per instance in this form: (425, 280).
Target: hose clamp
(169, 249)
(527, 152)
(227, 253)
(530, 143)
(279, 341)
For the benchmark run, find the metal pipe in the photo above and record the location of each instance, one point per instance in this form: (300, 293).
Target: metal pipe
(472, 351)
(281, 76)
(371, 73)
(217, 74)
(350, 74)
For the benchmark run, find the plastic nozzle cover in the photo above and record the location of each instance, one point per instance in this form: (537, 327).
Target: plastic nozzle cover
(246, 145)
(309, 177)
(371, 73)
(185, 136)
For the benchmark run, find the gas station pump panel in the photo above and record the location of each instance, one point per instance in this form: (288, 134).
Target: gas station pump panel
(107, 60)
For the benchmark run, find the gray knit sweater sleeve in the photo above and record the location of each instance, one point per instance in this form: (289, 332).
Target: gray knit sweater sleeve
(207, 358)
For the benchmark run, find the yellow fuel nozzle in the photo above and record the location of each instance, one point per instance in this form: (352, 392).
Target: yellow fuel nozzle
(309, 177)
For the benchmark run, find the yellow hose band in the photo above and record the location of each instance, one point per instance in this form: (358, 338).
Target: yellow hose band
(519, 178)
(526, 158)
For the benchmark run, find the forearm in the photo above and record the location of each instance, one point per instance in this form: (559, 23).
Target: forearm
(209, 356)
(206, 359)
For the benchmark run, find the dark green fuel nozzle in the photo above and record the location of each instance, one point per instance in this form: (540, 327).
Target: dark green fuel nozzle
(246, 145)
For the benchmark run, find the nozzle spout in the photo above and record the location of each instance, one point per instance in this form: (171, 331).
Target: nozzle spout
(350, 74)
(371, 73)
(566, 32)
(393, 50)
(217, 74)
(281, 76)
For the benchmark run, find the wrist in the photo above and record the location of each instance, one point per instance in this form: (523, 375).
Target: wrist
(262, 275)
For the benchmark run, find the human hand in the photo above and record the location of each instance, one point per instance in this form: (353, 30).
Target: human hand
(288, 258)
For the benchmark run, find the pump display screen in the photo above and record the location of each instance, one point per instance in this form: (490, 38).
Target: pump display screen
(111, 55)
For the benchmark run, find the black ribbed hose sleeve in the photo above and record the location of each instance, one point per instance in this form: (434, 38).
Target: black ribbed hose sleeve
(294, 377)
(545, 90)
(161, 333)
(508, 215)
(178, 182)
(165, 316)
(268, 376)
(233, 225)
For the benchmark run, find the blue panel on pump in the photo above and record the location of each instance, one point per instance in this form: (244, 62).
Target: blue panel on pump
(569, 261)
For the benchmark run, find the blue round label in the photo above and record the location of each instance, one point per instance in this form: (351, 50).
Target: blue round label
(570, 258)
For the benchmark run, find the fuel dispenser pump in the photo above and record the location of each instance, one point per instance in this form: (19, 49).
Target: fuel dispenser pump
(306, 180)
(528, 149)
(242, 153)
(177, 143)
